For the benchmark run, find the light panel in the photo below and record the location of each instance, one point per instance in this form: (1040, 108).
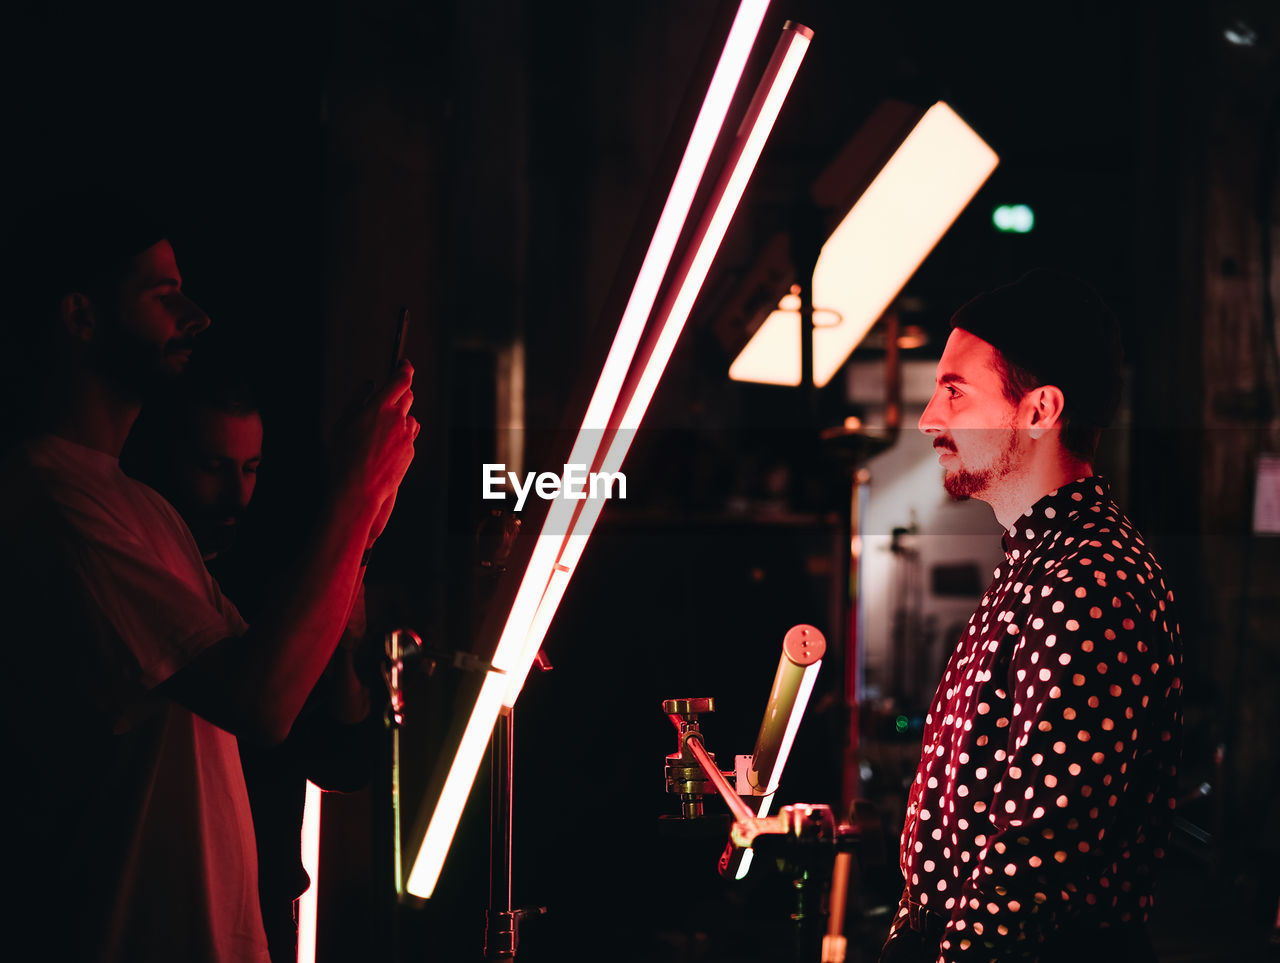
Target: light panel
(525, 626)
(875, 250)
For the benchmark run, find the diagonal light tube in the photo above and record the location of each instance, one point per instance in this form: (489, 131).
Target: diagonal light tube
(803, 648)
(789, 737)
(540, 579)
(752, 134)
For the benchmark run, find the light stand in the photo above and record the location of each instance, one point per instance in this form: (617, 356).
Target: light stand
(501, 926)
(853, 445)
(403, 650)
(692, 771)
(502, 922)
(801, 836)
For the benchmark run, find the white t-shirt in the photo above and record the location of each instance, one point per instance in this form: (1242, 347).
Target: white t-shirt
(138, 837)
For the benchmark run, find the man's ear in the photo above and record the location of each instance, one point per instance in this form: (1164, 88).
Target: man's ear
(78, 317)
(1043, 409)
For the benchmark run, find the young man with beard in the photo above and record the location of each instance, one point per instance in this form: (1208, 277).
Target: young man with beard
(1047, 779)
(129, 673)
(201, 447)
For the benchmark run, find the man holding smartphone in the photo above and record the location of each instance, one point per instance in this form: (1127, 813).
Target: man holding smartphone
(201, 446)
(130, 674)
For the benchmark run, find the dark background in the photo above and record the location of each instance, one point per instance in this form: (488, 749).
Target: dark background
(495, 166)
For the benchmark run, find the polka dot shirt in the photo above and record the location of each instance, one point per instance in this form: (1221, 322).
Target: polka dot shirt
(1046, 781)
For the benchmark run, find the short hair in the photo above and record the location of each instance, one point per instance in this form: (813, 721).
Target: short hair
(1050, 327)
(78, 241)
(213, 382)
(82, 241)
(1078, 436)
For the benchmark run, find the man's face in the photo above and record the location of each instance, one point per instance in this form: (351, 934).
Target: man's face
(146, 330)
(215, 475)
(970, 420)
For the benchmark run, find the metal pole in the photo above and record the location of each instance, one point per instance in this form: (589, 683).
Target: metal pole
(741, 811)
(851, 773)
(500, 933)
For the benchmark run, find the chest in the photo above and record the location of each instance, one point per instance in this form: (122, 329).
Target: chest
(973, 708)
(162, 532)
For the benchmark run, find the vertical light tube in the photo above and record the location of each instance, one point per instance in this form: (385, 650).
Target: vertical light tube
(515, 637)
(308, 902)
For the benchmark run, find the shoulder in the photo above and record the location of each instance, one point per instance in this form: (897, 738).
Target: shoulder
(32, 500)
(154, 502)
(1097, 553)
(1100, 595)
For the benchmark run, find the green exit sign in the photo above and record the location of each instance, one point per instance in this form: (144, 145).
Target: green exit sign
(1013, 218)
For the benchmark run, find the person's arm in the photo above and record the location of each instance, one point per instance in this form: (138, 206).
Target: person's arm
(254, 685)
(346, 695)
(1085, 680)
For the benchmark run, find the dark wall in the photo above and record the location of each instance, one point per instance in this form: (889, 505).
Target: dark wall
(496, 167)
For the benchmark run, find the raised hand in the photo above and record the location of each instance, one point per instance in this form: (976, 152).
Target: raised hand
(374, 447)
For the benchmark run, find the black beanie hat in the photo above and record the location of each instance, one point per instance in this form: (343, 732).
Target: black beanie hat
(79, 237)
(69, 243)
(1057, 328)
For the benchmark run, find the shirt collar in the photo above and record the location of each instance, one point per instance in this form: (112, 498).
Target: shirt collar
(1053, 513)
(53, 450)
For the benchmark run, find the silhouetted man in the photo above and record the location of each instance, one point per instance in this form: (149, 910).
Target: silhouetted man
(1044, 792)
(201, 447)
(130, 675)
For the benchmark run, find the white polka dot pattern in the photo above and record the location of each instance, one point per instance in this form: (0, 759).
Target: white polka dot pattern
(1047, 777)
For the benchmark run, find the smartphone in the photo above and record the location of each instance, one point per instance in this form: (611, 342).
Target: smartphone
(402, 329)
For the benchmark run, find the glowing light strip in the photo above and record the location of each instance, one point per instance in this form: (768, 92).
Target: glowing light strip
(744, 867)
(396, 856)
(802, 650)
(803, 692)
(538, 576)
(308, 902)
(733, 182)
(706, 131)
(793, 724)
(730, 194)
(898, 220)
